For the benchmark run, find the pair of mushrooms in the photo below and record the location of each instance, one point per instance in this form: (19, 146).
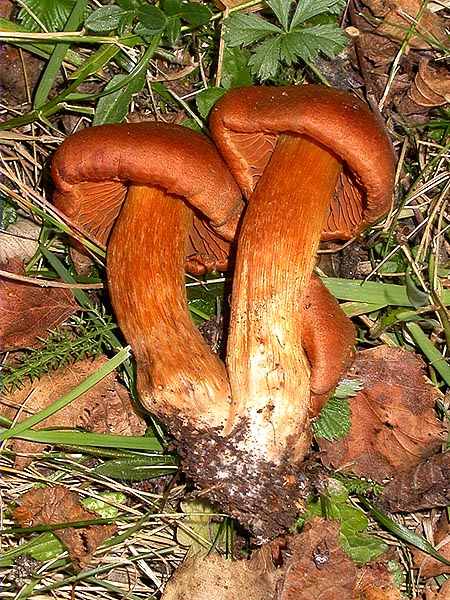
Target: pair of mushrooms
(312, 163)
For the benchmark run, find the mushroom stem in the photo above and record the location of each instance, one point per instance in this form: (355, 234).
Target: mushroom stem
(268, 369)
(179, 378)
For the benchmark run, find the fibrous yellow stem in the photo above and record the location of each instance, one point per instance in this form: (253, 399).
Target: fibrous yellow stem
(179, 378)
(267, 366)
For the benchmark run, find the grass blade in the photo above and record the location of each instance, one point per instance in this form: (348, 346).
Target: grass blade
(436, 359)
(80, 389)
(57, 57)
(81, 438)
(402, 532)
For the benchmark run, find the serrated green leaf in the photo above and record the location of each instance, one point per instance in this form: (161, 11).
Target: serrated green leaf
(334, 421)
(206, 99)
(235, 69)
(334, 504)
(288, 48)
(152, 19)
(281, 10)
(113, 108)
(362, 547)
(103, 506)
(243, 30)
(266, 58)
(195, 14)
(137, 468)
(105, 19)
(53, 14)
(347, 388)
(308, 42)
(307, 9)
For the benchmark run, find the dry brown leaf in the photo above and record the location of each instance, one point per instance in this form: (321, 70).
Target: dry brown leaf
(215, 578)
(399, 15)
(105, 408)
(429, 566)
(318, 567)
(393, 421)
(375, 583)
(27, 311)
(52, 505)
(442, 594)
(311, 566)
(14, 84)
(6, 7)
(19, 242)
(431, 85)
(423, 487)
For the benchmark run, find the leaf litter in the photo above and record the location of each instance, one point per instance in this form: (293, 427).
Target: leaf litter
(105, 408)
(56, 505)
(393, 423)
(387, 35)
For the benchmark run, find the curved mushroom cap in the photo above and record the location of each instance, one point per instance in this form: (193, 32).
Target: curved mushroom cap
(246, 123)
(92, 168)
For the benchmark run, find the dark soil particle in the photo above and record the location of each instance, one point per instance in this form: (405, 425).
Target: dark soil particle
(263, 496)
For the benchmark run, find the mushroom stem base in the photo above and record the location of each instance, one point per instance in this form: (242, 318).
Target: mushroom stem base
(268, 369)
(264, 496)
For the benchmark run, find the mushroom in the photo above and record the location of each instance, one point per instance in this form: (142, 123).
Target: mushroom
(314, 163)
(144, 181)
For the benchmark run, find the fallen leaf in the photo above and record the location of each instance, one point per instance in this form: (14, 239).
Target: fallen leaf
(357, 543)
(431, 85)
(399, 15)
(375, 583)
(429, 566)
(310, 565)
(52, 505)
(28, 311)
(423, 487)
(15, 84)
(318, 568)
(6, 8)
(442, 594)
(215, 578)
(19, 241)
(393, 422)
(105, 408)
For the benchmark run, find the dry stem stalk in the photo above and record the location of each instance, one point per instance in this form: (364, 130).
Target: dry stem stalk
(178, 376)
(268, 369)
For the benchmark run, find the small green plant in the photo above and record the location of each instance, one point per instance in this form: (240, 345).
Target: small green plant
(334, 421)
(305, 28)
(61, 348)
(334, 503)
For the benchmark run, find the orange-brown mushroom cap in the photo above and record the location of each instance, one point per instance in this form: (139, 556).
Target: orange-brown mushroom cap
(246, 123)
(92, 168)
